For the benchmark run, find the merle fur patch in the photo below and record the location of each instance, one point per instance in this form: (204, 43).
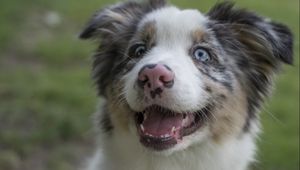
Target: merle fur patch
(258, 45)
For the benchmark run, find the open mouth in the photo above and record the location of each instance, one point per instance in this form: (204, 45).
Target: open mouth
(160, 128)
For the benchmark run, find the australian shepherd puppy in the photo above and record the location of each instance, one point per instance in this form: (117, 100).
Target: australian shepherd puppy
(182, 89)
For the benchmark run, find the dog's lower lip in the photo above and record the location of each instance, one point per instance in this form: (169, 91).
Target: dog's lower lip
(158, 144)
(164, 128)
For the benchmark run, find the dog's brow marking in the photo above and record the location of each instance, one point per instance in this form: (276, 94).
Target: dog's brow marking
(198, 35)
(148, 32)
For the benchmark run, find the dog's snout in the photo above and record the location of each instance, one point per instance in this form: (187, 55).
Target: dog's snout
(154, 78)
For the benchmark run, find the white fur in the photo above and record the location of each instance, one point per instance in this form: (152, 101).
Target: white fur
(125, 153)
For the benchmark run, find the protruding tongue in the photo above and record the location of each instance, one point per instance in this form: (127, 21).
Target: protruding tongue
(158, 124)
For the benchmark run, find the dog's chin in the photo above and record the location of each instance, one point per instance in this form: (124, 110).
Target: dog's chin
(163, 130)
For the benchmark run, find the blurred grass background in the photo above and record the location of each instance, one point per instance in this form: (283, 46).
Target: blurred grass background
(47, 96)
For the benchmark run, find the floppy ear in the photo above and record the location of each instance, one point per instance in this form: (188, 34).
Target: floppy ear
(251, 28)
(112, 20)
(118, 19)
(258, 47)
(156, 4)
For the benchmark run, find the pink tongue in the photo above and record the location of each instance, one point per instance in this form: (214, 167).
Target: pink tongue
(158, 124)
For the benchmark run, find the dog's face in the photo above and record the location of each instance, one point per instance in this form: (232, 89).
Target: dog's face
(176, 78)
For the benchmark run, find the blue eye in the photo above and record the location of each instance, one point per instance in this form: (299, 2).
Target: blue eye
(202, 55)
(140, 50)
(137, 50)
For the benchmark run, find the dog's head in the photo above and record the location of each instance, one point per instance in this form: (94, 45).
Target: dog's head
(179, 77)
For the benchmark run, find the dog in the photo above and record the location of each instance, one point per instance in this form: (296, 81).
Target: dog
(181, 89)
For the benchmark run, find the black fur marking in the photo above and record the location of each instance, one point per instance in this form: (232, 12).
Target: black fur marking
(224, 12)
(283, 50)
(105, 122)
(243, 64)
(226, 84)
(222, 97)
(102, 67)
(208, 89)
(252, 106)
(157, 3)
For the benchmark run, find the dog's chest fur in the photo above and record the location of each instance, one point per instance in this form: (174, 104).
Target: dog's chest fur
(123, 154)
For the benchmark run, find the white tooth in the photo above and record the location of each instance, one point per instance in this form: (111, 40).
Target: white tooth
(145, 116)
(184, 121)
(173, 129)
(142, 128)
(147, 134)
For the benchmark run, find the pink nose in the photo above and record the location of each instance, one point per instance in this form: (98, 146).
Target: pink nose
(154, 78)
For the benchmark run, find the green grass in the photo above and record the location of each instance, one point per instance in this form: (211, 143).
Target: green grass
(47, 96)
